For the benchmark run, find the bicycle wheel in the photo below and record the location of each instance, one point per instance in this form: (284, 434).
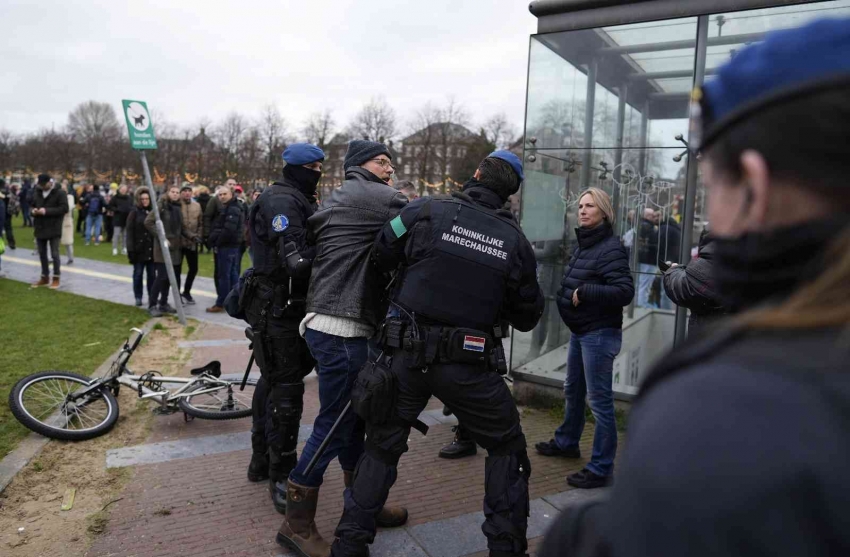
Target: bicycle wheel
(43, 402)
(220, 400)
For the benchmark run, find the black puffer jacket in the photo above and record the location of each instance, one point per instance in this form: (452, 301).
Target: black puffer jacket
(599, 269)
(692, 286)
(139, 239)
(120, 205)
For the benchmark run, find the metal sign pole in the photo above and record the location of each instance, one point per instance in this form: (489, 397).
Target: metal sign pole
(163, 243)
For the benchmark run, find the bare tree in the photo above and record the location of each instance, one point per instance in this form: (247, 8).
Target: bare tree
(319, 128)
(451, 136)
(376, 121)
(499, 131)
(229, 135)
(94, 125)
(8, 147)
(272, 129)
(419, 148)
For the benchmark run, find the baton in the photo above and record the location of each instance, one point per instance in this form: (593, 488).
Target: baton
(321, 450)
(247, 371)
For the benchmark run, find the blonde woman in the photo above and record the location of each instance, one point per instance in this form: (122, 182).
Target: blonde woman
(596, 286)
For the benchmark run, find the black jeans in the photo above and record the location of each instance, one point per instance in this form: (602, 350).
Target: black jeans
(162, 284)
(54, 253)
(10, 233)
(191, 257)
(483, 404)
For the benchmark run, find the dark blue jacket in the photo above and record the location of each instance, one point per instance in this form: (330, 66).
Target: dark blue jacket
(599, 269)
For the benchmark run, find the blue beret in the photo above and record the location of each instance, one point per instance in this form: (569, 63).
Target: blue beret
(786, 65)
(302, 153)
(511, 159)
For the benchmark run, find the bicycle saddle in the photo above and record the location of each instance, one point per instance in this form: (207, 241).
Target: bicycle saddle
(213, 368)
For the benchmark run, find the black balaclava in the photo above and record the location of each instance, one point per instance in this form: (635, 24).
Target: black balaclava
(761, 266)
(305, 179)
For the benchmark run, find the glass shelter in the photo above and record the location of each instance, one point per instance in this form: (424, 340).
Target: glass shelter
(607, 106)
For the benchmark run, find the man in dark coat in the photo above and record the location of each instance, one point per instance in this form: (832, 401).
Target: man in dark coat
(647, 245)
(692, 286)
(669, 242)
(7, 221)
(25, 198)
(140, 244)
(175, 232)
(120, 205)
(226, 236)
(50, 203)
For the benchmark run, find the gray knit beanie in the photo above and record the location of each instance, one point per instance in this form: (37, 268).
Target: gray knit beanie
(361, 150)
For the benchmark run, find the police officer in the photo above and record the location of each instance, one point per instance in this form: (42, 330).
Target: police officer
(274, 306)
(467, 271)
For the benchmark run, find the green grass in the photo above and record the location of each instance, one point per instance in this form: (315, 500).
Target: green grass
(43, 329)
(103, 252)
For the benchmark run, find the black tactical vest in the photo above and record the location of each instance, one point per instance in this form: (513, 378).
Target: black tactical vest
(460, 265)
(267, 260)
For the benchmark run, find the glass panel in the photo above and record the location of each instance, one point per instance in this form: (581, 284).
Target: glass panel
(632, 62)
(548, 217)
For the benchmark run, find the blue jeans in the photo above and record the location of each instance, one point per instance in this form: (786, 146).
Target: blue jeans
(96, 221)
(228, 272)
(590, 364)
(645, 279)
(338, 361)
(143, 272)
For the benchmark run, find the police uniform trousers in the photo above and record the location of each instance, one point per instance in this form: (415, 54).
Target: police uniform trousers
(284, 360)
(482, 402)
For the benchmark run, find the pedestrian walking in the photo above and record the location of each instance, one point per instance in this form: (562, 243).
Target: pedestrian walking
(140, 246)
(647, 246)
(67, 239)
(93, 206)
(734, 439)
(596, 286)
(2, 230)
(25, 198)
(447, 342)
(172, 221)
(193, 222)
(50, 203)
(282, 267)
(226, 235)
(120, 206)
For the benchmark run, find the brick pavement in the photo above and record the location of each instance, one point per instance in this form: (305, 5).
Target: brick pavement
(206, 506)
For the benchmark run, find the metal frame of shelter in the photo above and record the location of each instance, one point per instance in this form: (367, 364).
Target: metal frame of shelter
(633, 85)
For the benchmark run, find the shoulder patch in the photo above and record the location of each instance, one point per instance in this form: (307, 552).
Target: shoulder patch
(398, 227)
(280, 223)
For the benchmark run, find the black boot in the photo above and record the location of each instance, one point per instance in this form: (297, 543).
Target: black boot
(462, 445)
(258, 469)
(279, 468)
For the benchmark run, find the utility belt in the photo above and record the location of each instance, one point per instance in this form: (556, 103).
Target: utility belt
(423, 345)
(273, 299)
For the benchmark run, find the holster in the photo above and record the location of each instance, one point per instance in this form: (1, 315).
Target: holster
(375, 393)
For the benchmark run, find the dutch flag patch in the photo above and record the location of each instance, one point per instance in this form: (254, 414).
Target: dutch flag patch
(474, 344)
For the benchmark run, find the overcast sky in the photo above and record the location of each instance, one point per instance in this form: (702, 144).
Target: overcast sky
(192, 59)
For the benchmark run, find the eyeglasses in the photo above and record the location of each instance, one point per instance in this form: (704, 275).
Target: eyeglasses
(385, 163)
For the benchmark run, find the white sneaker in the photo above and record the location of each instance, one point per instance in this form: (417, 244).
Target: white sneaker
(114, 251)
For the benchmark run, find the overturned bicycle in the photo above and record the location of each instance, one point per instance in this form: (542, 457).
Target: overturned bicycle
(72, 407)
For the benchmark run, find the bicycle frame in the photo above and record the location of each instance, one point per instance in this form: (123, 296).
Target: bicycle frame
(121, 374)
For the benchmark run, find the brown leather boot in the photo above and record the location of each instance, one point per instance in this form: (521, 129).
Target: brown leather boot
(43, 281)
(387, 517)
(298, 531)
(55, 284)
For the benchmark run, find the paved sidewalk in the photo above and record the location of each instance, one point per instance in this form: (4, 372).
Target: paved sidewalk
(189, 495)
(109, 281)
